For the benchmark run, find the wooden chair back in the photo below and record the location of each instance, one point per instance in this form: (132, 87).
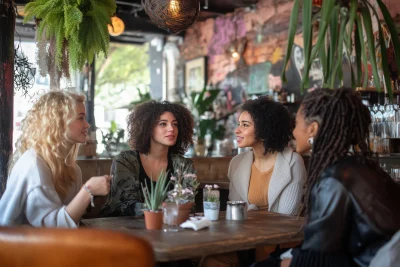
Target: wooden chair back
(36, 247)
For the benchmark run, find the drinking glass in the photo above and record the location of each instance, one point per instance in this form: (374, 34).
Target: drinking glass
(170, 210)
(395, 173)
(384, 147)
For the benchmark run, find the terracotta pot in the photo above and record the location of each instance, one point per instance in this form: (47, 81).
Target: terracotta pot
(183, 213)
(153, 219)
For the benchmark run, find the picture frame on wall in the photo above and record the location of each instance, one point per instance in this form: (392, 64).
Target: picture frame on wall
(195, 75)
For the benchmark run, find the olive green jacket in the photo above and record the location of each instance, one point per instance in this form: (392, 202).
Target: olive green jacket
(126, 191)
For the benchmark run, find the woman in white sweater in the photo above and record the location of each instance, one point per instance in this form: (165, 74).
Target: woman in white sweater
(44, 188)
(271, 175)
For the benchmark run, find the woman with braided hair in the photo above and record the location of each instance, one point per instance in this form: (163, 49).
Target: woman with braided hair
(349, 202)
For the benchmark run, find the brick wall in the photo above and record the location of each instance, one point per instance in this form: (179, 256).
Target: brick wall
(259, 36)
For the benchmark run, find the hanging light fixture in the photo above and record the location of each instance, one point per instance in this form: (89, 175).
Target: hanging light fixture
(117, 27)
(236, 49)
(172, 15)
(21, 10)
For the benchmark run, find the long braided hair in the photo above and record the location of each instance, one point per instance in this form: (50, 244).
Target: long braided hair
(343, 126)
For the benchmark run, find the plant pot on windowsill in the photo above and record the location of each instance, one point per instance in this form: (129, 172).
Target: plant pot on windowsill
(153, 219)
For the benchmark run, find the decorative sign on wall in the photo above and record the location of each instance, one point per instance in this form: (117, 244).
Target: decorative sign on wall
(258, 78)
(195, 75)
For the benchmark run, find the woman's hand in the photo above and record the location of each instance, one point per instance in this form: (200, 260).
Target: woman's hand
(99, 185)
(286, 262)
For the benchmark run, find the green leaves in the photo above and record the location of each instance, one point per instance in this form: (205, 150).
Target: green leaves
(339, 25)
(333, 42)
(73, 18)
(80, 26)
(203, 100)
(155, 197)
(371, 44)
(307, 40)
(339, 52)
(291, 33)
(392, 29)
(363, 50)
(385, 63)
(326, 12)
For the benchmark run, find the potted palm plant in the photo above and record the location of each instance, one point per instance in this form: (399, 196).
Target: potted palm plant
(153, 215)
(345, 30)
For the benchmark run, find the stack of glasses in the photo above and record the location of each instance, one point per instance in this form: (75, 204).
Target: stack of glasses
(385, 125)
(393, 171)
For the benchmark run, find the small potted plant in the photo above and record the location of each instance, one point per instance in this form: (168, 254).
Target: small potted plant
(153, 215)
(184, 192)
(211, 202)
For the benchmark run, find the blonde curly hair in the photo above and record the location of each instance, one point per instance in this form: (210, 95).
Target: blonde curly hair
(45, 129)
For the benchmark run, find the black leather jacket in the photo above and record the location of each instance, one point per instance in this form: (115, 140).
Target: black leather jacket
(344, 230)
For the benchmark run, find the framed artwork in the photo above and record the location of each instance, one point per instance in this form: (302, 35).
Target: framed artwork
(195, 75)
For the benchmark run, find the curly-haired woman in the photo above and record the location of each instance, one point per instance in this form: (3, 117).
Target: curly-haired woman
(159, 134)
(271, 175)
(44, 188)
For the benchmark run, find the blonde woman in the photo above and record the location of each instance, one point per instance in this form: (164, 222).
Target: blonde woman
(44, 188)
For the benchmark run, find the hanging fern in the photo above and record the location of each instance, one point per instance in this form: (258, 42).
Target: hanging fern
(79, 28)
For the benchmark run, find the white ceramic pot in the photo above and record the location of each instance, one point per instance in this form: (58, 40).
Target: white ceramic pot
(211, 210)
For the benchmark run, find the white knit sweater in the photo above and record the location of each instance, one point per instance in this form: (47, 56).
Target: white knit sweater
(31, 198)
(285, 187)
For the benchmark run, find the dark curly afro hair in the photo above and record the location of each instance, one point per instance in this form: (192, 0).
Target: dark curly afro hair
(144, 117)
(272, 121)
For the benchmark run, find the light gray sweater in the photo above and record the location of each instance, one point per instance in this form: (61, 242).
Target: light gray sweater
(285, 187)
(31, 198)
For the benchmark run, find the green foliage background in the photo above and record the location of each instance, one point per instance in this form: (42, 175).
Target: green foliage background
(122, 74)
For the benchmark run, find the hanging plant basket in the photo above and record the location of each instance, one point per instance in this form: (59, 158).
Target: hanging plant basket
(172, 15)
(70, 33)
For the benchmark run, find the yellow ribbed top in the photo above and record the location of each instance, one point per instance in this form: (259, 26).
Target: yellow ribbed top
(258, 187)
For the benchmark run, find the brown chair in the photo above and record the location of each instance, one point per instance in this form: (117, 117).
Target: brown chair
(36, 247)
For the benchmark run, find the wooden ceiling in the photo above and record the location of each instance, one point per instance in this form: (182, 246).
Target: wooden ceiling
(139, 28)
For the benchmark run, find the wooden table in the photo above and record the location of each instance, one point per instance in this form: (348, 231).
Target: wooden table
(261, 228)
